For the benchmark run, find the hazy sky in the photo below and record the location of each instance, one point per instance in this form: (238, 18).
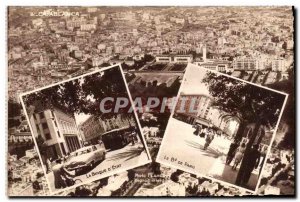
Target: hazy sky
(192, 83)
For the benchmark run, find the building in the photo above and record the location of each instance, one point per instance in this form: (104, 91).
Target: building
(31, 153)
(187, 180)
(163, 58)
(168, 188)
(150, 132)
(19, 137)
(91, 128)
(278, 65)
(224, 122)
(220, 66)
(183, 58)
(95, 61)
(87, 27)
(58, 129)
(193, 108)
(248, 64)
(94, 126)
(208, 186)
(174, 58)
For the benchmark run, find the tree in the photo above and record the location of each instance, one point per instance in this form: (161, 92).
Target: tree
(14, 109)
(248, 103)
(288, 116)
(82, 95)
(148, 58)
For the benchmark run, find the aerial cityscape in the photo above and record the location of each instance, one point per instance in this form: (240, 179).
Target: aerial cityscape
(154, 46)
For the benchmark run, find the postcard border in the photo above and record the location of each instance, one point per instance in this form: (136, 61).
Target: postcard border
(159, 158)
(105, 175)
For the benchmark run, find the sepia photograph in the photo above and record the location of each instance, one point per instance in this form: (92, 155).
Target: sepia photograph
(221, 127)
(154, 45)
(77, 141)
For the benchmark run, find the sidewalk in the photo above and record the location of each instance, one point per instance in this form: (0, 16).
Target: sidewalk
(224, 172)
(181, 144)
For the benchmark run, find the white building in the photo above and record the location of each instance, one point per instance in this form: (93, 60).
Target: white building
(174, 58)
(58, 129)
(278, 65)
(220, 66)
(248, 64)
(87, 27)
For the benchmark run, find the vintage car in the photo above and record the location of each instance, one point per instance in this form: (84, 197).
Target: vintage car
(85, 158)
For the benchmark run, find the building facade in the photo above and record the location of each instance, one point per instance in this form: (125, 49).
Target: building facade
(174, 58)
(193, 108)
(94, 126)
(278, 65)
(248, 64)
(59, 131)
(220, 66)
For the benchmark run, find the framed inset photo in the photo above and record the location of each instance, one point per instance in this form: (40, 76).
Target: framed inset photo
(221, 128)
(85, 128)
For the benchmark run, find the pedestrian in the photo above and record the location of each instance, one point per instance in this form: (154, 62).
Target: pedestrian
(263, 152)
(231, 152)
(61, 175)
(48, 165)
(251, 160)
(203, 132)
(209, 138)
(132, 138)
(239, 155)
(197, 129)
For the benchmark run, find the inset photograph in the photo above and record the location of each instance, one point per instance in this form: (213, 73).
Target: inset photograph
(221, 127)
(85, 128)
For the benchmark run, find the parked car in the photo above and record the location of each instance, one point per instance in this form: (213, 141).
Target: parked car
(85, 158)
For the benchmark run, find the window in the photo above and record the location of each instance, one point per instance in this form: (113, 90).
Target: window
(48, 136)
(63, 125)
(42, 115)
(37, 127)
(45, 125)
(58, 133)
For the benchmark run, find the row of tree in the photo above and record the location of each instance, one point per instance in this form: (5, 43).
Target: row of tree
(248, 103)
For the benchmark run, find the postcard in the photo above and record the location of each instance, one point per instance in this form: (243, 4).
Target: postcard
(221, 127)
(83, 130)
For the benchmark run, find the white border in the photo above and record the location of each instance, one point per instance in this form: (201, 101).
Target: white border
(102, 176)
(3, 61)
(159, 158)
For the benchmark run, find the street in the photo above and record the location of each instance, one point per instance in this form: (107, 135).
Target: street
(184, 150)
(117, 160)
